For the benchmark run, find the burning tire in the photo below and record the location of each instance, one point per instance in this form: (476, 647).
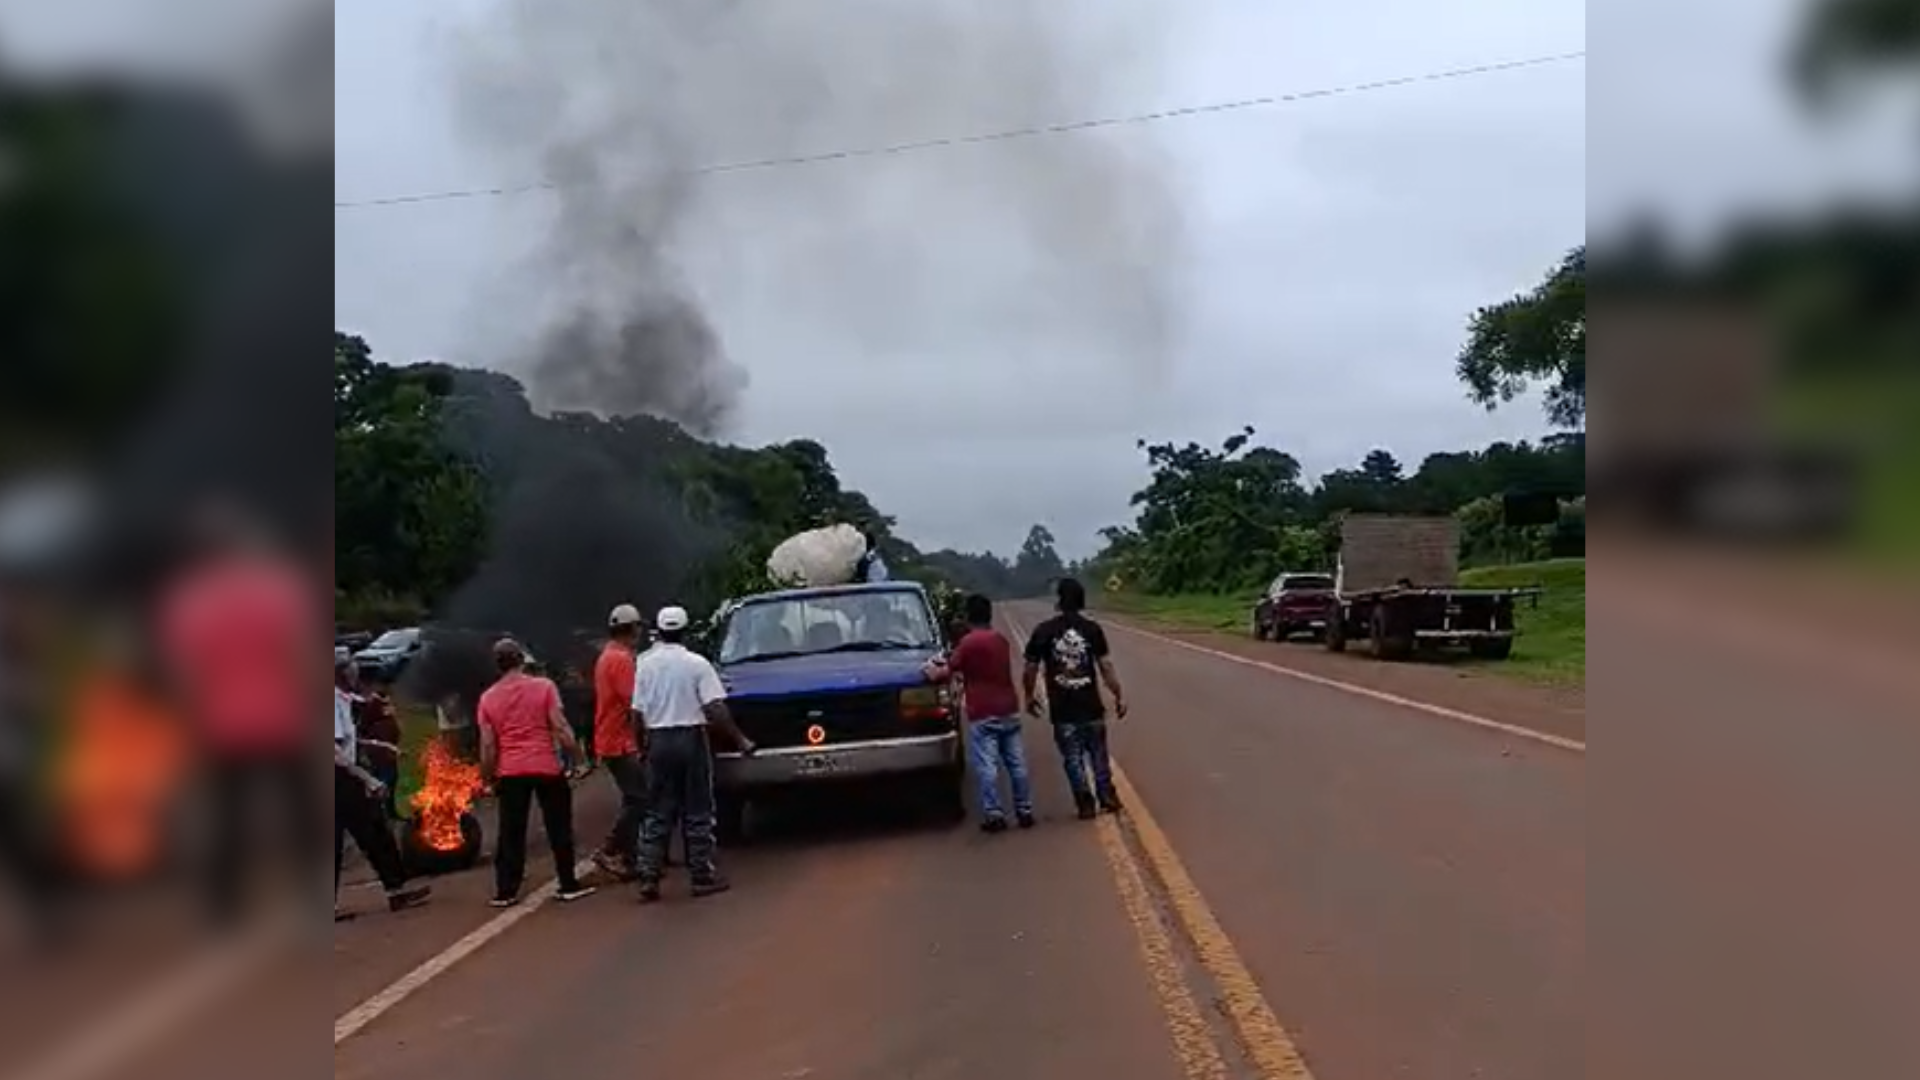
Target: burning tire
(443, 836)
(423, 859)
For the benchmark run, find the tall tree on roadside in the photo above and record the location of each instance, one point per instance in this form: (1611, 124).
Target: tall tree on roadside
(1208, 518)
(1865, 40)
(1038, 562)
(1538, 337)
(410, 515)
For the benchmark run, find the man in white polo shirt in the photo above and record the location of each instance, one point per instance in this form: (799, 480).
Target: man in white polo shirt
(676, 695)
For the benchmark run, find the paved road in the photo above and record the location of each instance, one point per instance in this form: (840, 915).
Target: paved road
(1303, 871)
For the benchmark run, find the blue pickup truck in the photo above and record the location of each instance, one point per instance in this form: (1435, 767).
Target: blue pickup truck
(828, 683)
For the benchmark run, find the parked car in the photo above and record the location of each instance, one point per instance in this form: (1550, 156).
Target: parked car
(829, 683)
(1294, 604)
(390, 653)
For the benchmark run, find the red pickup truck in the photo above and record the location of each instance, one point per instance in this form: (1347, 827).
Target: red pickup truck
(1294, 604)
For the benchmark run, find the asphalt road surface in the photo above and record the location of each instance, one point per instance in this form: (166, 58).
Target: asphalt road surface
(1343, 869)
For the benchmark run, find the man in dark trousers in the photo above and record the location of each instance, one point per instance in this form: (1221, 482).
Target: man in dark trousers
(1072, 651)
(677, 694)
(614, 743)
(378, 725)
(357, 808)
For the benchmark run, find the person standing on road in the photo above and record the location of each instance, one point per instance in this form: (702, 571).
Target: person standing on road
(378, 724)
(984, 662)
(520, 724)
(614, 742)
(1072, 651)
(357, 799)
(677, 694)
(237, 627)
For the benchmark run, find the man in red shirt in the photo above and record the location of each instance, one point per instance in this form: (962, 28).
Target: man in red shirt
(983, 660)
(614, 744)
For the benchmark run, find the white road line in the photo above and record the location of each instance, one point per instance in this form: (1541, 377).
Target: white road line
(358, 1017)
(1556, 741)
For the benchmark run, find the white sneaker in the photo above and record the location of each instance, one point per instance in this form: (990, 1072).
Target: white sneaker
(578, 892)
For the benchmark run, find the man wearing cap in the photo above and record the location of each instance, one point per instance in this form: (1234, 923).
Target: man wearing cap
(614, 742)
(676, 695)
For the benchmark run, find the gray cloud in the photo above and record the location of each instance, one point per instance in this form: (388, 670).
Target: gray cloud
(1320, 258)
(1068, 243)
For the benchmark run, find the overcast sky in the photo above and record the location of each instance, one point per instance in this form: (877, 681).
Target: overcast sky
(1307, 268)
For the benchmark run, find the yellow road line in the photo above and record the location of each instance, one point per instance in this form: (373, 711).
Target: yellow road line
(1261, 1034)
(1192, 1041)
(1265, 1040)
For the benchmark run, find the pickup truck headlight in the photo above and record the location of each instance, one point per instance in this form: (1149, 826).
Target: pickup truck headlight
(926, 703)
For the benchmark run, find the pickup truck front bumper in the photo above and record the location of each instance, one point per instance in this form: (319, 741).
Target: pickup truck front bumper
(868, 759)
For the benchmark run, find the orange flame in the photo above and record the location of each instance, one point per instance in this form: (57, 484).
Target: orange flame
(447, 792)
(120, 771)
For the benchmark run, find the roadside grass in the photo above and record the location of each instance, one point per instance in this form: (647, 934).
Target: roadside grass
(1879, 416)
(1551, 643)
(1191, 611)
(1550, 647)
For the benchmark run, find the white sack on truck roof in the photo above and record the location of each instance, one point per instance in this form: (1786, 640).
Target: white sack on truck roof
(818, 557)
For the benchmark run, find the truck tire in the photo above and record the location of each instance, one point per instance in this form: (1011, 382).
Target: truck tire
(1490, 648)
(1334, 637)
(1387, 645)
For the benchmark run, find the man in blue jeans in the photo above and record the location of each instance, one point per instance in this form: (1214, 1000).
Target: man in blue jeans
(983, 660)
(1072, 650)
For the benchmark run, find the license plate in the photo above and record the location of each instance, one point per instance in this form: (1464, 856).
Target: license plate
(1453, 609)
(817, 764)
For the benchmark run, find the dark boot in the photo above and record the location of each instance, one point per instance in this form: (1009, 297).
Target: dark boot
(1086, 807)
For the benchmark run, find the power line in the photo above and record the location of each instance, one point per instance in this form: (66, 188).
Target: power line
(1065, 128)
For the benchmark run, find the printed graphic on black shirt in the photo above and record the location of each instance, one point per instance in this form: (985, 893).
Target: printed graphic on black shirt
(1069, 649)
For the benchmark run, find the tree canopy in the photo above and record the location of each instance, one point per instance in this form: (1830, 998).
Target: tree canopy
(1538, 337)
(1221, 519)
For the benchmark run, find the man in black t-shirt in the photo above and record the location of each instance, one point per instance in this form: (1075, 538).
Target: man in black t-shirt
(1072, 651)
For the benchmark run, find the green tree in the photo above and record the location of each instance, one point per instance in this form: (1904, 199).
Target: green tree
(1536, 338)
(1208, 517)
(1870, 39)
(1038, 562)
(410, 514)
(1220, 520)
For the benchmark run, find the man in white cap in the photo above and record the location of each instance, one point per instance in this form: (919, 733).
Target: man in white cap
(677, 694)
(614, 742)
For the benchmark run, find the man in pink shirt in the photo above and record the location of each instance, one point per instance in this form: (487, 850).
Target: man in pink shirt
(238, 630)
(522, 732)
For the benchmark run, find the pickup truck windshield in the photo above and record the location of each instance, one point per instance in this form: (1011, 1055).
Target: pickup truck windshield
(1305, 581)
(830, 622)
(395, 639)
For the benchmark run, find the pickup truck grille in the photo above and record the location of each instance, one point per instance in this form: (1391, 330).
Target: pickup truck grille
(783, 721)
